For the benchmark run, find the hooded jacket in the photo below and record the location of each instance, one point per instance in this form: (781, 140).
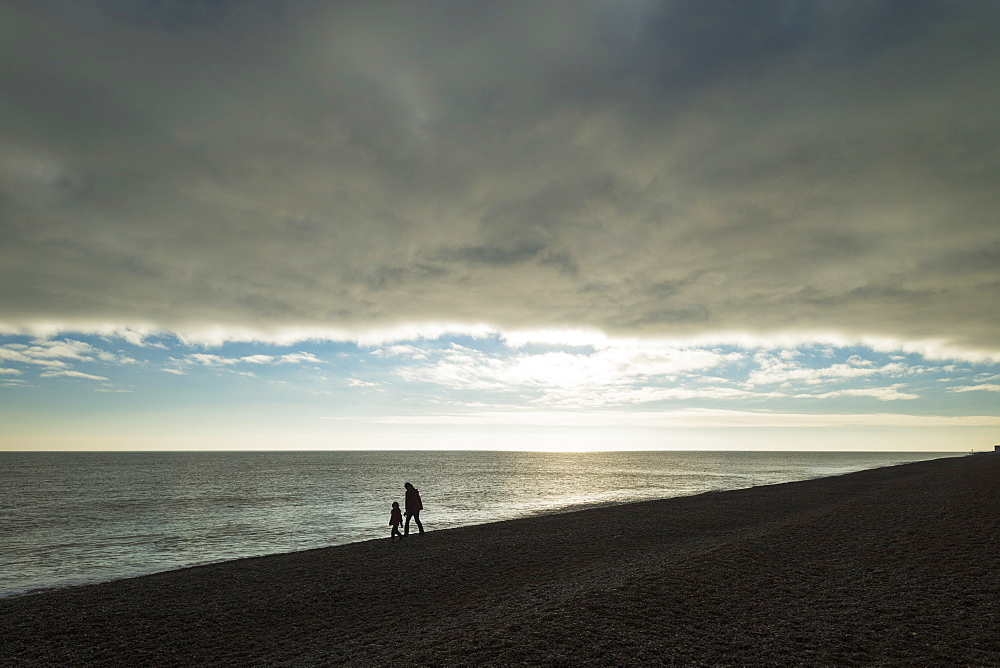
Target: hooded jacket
(413, 503)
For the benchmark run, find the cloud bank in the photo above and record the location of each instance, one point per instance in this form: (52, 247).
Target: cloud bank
(638, 168)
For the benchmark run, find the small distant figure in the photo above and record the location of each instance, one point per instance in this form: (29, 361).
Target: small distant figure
(395, 519)
(413, 508)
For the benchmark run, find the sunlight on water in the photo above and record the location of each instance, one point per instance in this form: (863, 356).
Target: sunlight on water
(69, 518)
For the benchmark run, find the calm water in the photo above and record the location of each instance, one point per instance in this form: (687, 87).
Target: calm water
(70, 518)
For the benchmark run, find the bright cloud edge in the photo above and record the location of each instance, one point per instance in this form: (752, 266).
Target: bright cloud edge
(216, 336)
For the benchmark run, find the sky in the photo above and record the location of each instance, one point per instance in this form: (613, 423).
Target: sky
(560, 225)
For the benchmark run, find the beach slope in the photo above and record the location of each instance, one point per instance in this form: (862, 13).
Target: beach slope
(893, 566)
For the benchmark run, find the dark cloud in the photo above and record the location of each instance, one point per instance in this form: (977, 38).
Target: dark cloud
(166, 14)
(641, 167)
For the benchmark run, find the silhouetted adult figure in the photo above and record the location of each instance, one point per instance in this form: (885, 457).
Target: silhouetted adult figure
(413, 508)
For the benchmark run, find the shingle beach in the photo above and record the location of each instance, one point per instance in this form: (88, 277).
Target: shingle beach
(898, 566)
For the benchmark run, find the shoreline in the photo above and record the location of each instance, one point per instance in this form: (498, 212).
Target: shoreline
(882, 566)
(95, 571)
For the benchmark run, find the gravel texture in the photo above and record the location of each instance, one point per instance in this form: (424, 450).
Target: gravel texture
(898, 566)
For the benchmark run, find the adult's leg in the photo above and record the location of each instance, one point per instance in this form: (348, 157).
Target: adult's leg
(416, 518)
(406, 525)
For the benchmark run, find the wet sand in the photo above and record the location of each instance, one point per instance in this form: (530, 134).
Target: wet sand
(897, 566)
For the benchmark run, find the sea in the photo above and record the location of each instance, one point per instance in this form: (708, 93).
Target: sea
(70, 518)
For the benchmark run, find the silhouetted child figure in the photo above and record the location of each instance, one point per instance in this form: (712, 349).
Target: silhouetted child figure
(395, 519)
